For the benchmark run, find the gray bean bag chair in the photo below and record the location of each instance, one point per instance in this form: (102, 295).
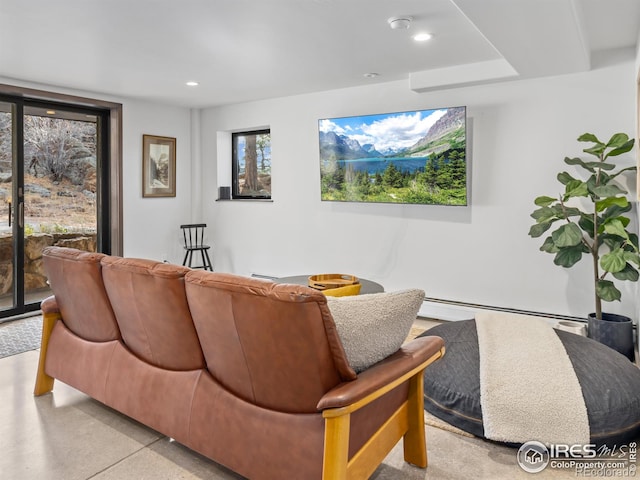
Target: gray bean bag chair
(610, 384)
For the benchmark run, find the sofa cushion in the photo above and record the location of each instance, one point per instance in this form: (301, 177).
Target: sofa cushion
(274, 345)
(150, 305)
(76, 281)
(374, 326)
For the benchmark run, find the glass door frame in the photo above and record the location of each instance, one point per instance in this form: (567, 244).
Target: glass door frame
(103, 188)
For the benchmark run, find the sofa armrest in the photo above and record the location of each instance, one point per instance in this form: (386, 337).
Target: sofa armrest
(406, 365)
(385, 375)
(50, 305)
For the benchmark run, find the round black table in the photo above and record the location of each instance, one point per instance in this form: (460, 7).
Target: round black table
(367, 285)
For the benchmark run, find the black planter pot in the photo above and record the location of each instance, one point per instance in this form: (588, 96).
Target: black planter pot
(615, 331)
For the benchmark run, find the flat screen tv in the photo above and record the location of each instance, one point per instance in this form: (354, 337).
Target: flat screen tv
(405, 157)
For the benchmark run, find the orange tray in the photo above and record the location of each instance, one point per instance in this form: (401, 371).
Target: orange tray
(331, 280)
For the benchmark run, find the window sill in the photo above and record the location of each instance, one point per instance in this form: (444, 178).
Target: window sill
(265, 200)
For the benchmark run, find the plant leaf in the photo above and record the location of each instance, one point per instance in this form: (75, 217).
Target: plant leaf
(607, 291)
(543, 214)
(624, 148)
(616, 211)
(594, 181)
(617, 140)
(614, 261)
(544, 201)
(628, 273)
(538, 229)
(548, 246)
(571, 212)
(608, 202)
(601, 165)
(586, 224)
(576, 188)
(596, 150)
(627, 169)
(591, 166)
(603, 223)
(564, 178)
(578, 161)
(567, 235)
(607, 190)
(588, 137)
(612, 241)
(632, 257)
(568, 256)
(616, 227)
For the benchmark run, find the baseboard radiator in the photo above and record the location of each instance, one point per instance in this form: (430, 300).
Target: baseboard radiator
(453, 310)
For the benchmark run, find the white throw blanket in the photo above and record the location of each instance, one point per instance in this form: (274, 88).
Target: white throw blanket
(528, 388)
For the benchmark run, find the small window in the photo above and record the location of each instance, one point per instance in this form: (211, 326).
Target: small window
(251, 164)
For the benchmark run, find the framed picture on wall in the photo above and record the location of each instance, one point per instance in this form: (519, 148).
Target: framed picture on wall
(158, 166)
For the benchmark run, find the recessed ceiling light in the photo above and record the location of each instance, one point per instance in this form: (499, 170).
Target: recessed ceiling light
(192, 84)
(371, 75)
(422, 37)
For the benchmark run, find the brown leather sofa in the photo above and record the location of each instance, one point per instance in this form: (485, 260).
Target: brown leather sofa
(249, 373)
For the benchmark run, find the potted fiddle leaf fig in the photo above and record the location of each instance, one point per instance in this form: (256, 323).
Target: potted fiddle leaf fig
(589, 219)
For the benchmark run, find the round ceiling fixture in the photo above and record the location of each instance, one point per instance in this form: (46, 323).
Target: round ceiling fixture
(399, 23)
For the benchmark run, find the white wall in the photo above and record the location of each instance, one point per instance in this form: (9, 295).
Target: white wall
(520, 133)
(150, 225)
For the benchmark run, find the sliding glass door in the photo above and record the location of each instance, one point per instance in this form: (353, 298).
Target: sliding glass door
(7, 225)
(54, 191)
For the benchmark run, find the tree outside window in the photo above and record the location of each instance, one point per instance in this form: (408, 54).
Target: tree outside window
(252, 164)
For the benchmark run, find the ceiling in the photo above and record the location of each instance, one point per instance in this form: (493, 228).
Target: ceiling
(243, 50)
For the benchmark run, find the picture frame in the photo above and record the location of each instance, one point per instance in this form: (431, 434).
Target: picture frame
(158, 166)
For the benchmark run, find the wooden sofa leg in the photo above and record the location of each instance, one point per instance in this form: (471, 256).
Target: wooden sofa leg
(336, 447)
(44, 383)
(415, 445)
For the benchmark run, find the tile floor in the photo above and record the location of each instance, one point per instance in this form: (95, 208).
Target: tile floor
(65, 435)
